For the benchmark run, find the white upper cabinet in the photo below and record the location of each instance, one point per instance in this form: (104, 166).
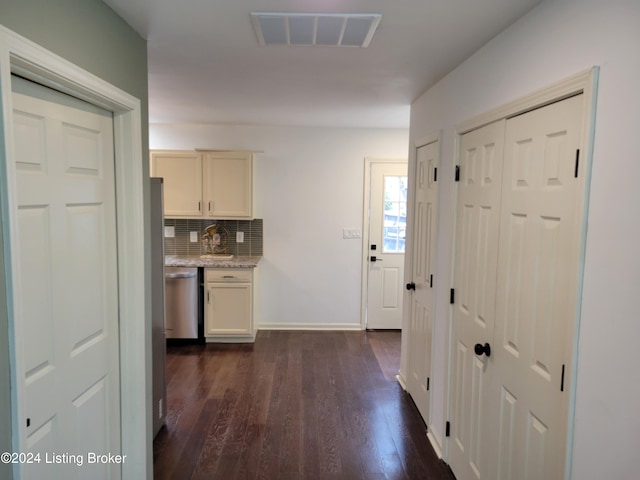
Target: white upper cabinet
(205, 184)
(182, 174)
(228, 184)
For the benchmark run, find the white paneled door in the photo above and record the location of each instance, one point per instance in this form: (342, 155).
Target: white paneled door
(421, 286)
(476, 258)
(67, 305)
(387, 229)
(519, 224)
(537, 288)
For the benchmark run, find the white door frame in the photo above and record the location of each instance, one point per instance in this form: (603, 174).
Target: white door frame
(585, 82)
(368, 161)
(20, 55)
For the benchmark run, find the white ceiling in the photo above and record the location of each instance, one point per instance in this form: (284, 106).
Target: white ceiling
(206, 66)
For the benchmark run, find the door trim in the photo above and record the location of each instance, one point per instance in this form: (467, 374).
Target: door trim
(21, 56)
(585, 83)
(368, 161)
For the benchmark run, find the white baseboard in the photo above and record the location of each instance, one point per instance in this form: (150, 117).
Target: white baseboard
(434, 443)
(231, 339)
(401, 381)
(311, 326)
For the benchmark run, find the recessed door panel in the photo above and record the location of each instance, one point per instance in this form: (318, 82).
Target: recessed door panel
(30, 134)
(507, 415)
(391, 287)
(35, 263)
(82, 149)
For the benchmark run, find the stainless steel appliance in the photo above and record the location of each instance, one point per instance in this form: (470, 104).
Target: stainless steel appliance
(181, 287)
(158, 342)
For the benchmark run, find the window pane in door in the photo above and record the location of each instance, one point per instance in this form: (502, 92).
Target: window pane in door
(395, 214)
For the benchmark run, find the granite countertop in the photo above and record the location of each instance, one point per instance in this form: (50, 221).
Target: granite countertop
(197, 261)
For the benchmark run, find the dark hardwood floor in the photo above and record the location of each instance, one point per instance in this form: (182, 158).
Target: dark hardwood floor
(294, 405)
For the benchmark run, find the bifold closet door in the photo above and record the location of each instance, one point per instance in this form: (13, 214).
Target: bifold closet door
(476, 259)
(67, 306)
(516, 281)
(538, 269)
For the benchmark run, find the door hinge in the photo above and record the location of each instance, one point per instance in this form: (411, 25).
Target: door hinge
(575, 172)
(452, 298)
(457, 173)
(435, 174)
(447, 429)
(431, 281)
(562, 379)
(427, 384)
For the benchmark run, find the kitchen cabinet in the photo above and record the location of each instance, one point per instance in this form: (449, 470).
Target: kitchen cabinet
(228, 184)
(182, 174)
(206, 184)
(228, 309)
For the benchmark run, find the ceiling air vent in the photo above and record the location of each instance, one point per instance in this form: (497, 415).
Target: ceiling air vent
(334, 30)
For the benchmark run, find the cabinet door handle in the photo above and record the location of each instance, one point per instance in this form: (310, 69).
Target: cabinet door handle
(209, 206)
(199, 208)
(208, 296)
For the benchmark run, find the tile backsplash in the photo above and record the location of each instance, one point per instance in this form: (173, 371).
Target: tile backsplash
(181, 244)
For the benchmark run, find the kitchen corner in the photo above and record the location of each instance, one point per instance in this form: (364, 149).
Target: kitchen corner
(212, 244)
(223, 255)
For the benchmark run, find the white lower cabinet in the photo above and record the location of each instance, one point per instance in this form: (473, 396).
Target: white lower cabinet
(228, 309)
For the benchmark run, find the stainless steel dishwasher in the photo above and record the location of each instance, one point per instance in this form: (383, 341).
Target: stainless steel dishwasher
(181, 302)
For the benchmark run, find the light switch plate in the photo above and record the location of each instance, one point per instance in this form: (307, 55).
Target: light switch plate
(169, 232)
(239, 237)
(193, 237)
(351, 233)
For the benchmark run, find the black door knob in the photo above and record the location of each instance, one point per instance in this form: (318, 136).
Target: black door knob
(480, 349)
(411, 286)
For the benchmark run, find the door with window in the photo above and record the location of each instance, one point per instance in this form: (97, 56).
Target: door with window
(386, 235)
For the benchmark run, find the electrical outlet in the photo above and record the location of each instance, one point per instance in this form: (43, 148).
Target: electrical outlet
(239, 237)
(169, 232)
(193, 237)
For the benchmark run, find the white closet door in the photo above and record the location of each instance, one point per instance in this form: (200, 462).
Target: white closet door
(476, 259)
(536, 300)
(65, 282)
(421, 317)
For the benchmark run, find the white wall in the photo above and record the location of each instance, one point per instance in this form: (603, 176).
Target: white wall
(556, 40)
(308, 187)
